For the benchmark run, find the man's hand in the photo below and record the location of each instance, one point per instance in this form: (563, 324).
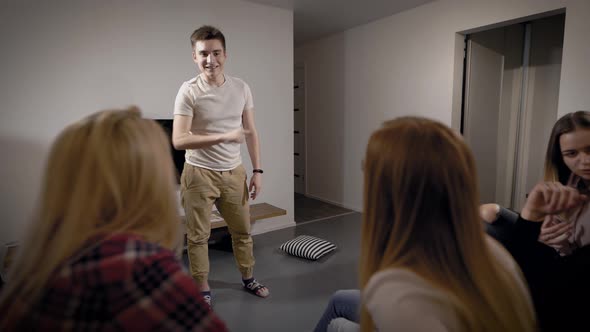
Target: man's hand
(255, 185)
(549, 198)
(235, 136)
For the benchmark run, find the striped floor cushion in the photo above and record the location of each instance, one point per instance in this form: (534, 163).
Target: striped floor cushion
(307, 247)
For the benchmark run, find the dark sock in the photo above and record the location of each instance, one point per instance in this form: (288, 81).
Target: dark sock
(207, 296)
(247, 281)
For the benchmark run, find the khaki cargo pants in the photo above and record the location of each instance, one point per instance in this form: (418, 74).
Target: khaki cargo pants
(200, 188)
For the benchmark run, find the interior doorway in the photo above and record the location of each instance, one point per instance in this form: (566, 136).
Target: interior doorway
(512, 76)
(299, 150)
(307, 209)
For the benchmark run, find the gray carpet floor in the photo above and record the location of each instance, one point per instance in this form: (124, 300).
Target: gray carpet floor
(300, 289)
(308, 209)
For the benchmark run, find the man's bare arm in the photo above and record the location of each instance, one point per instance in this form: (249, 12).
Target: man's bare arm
(251, 138)
(183, 138)
(252, 142)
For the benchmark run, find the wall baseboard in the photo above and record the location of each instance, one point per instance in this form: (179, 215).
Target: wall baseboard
(333, 203)
(272, 224)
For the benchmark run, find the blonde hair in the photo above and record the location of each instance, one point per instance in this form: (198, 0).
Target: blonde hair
(108, 173)
(420, 213)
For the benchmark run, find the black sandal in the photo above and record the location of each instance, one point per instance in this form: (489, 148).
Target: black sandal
(207, 297)
(257, 288)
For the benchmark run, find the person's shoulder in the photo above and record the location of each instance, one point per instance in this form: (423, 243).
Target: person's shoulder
(131, 245)
(192, 80)
(136, 259)
(501, 255)
(126, 246)
(505, 261)
(400, 298)
(106, 260)
(142, 254)
(189, 83)
(399, 283)
(399, 287)
(117, 255)
(236, 81)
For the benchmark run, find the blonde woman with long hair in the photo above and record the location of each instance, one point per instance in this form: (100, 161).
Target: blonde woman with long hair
(426, 264)
(98, 253)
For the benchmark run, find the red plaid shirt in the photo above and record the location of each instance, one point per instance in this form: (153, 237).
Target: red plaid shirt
(122, 284)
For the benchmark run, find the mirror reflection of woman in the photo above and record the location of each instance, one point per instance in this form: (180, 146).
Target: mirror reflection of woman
(552, 244)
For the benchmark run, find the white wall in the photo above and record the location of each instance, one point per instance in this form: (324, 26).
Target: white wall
(62, 60)
(405, 65)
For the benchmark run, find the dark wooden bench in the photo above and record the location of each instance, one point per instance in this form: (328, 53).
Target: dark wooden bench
(257, 212)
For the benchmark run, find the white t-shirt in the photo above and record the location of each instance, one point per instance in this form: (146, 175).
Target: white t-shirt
(401, 300)
(214, 109)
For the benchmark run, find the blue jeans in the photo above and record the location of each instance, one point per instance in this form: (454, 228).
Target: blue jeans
(343, 325)
(343, 304)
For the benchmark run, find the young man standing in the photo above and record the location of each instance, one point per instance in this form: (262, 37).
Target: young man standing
(213, 115)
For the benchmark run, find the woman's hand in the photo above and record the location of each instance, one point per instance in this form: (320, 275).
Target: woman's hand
(489, 212)
(555, 233)
(549, 198)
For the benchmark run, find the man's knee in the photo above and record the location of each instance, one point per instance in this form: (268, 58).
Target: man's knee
(239, 231)
(198, 239)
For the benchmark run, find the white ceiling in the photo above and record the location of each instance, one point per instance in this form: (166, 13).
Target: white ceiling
(314, 19)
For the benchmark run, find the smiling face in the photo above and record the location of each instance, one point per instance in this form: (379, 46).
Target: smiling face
(210, 56)
(575, 150)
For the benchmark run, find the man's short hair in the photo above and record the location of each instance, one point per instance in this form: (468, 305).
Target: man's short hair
(207, 32)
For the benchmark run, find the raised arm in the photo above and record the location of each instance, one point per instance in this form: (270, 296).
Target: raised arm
(183, 138)
(549, 198)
